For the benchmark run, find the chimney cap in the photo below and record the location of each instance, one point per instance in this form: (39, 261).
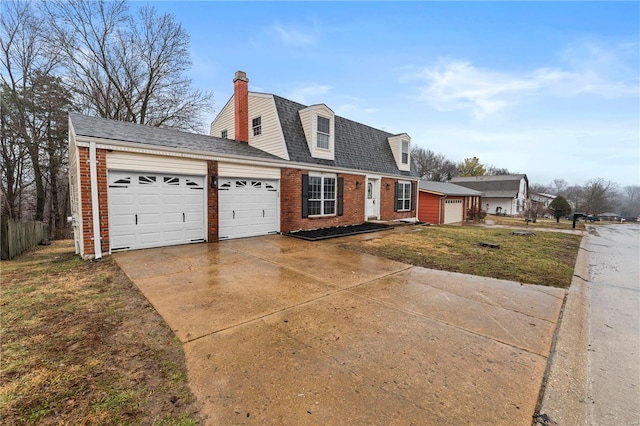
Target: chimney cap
(240, 75)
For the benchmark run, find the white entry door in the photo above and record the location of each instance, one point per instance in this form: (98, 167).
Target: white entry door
(247, 207)
(372, 204)
(148, 209)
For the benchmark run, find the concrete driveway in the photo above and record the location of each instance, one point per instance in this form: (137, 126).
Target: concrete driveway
(283, 331)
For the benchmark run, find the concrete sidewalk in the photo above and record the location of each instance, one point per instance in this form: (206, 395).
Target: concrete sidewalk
(284, 331)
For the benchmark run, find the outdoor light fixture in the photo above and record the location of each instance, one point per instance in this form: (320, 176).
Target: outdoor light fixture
(357, 184)
(214, 181)
(387, 185)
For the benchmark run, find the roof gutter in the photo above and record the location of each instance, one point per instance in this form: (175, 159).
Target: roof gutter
(95, 208)
(204, 155)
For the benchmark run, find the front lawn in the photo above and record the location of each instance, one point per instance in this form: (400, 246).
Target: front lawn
(548, 258)
(81, 345)
(540, 222)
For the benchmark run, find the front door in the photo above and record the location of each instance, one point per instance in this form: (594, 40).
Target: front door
(372, 209)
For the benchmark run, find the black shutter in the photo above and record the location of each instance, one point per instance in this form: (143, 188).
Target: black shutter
(340, 194)
(305, 195)
(395, 202)
(413, 195)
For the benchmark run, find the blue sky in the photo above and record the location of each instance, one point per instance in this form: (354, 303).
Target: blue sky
(550, 89)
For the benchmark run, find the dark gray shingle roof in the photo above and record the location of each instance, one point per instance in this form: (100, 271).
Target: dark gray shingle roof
(447, 188)
(503, 186)
(357, 146)
(160, 137)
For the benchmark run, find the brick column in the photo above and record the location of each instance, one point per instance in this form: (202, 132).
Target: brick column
(85, 200)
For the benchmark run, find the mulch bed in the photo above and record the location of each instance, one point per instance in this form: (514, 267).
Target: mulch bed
(338, 231)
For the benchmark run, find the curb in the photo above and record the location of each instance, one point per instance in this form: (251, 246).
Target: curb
(564, 391)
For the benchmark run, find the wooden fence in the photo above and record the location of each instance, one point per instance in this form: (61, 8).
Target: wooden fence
(16, 237)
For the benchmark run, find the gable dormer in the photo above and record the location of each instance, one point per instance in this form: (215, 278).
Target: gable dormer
(401, 148)
(318, 122)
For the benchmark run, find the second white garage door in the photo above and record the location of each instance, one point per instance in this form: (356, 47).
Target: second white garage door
(247, 207)
(452, 210)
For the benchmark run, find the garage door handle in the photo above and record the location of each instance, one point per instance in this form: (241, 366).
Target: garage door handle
(262, 213)
(234, 213)
(136, 219)
(182, 217)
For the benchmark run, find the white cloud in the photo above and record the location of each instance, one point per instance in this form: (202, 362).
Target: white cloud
(293, 36)
(309, 94)
(453, 84)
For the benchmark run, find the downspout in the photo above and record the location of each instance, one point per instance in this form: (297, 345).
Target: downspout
(441, 209)
(95, 207)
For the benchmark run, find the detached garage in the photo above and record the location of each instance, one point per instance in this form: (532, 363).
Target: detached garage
(444, 203)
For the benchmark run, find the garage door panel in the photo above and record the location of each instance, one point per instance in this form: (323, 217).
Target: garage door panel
(169, 211)
(453, 211)
(247, 207)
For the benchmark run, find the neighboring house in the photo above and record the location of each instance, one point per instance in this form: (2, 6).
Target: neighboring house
(541, 200)
(504, 194)
(443, 202)
(611, 216)
(271, 165)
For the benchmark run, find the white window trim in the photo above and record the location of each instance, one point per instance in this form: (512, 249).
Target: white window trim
(400, 183)
(322, 177)
(258, 127)
(318, 132)
(402, 152)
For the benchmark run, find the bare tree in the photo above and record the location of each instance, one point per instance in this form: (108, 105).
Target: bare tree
(25, 55)
(128, 67)
(598, 196)
(630, 204)
(432, 166)
(497, 171)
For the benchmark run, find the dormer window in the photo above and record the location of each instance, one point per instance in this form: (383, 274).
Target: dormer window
(405, 152)
(223, 134)
(256, 124)
(323, 132)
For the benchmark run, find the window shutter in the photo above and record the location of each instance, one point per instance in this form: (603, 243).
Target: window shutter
(395, 202)
(305, 196)
(413, 195)
(340, 195)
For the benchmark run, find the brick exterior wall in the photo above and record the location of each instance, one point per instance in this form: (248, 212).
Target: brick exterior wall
(241, 106)
(212, 203)
(388, 200)
(291, 203)
(85, 200)
(429, 208)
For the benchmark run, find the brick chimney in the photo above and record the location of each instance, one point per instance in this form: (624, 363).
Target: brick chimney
(241, 100)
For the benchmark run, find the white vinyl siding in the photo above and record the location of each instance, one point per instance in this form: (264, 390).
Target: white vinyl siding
(395, 143)
(225, 121)
(120, 160)
(243, 170)
(272, 139)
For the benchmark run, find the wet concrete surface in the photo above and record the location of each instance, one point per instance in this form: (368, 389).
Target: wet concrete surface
(594, 377)
(614, 325)
(283, 331)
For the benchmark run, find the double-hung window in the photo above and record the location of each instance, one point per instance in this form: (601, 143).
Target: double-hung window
(224, 134)
(323, 132)
(322, 195)
(256, 125)
(405, 152)
(403, 196)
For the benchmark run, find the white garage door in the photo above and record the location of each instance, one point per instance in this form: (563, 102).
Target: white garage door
(148, 209)
(452, 211)
(247, 207)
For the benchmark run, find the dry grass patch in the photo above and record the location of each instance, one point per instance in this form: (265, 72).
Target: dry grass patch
(540, 223)
(81, 345)
(548, 258)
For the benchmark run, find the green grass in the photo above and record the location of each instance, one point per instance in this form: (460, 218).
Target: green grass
(540, 223)
(548, 258)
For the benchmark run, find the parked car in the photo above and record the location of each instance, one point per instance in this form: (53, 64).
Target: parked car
(592, 218)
